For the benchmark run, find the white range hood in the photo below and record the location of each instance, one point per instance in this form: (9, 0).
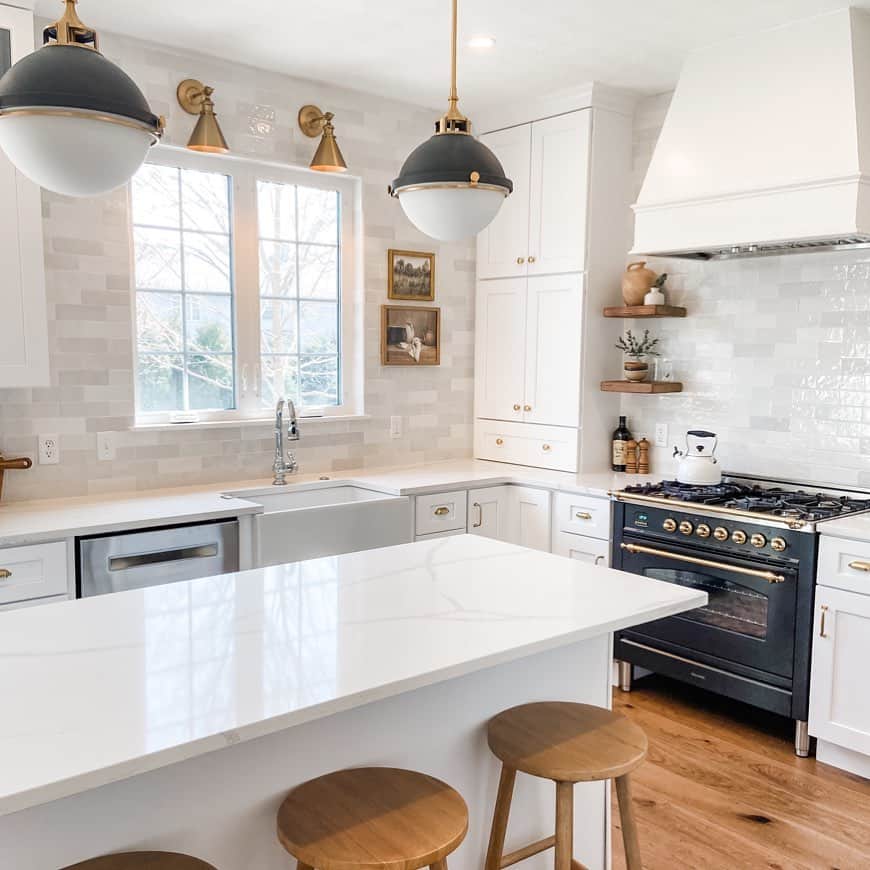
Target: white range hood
(766, 145)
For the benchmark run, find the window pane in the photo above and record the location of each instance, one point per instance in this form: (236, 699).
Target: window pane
(276, 208)
(318, 327)
(158, 259)
(207, 263)
(205, 201)
(278, 269)
(318, 271)
(318, 215)
(280, 379)
(210, 381)
(277, 326)
(158, 321)
(209, 323)
(318, 380)
(159, 382)
(155, 196)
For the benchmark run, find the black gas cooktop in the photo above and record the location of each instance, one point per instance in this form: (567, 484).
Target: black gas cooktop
(756, 499)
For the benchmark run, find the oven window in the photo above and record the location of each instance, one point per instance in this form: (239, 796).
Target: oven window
(731, 607)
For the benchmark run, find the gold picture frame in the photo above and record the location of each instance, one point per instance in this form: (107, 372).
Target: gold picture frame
(410, 335)
(410, 276)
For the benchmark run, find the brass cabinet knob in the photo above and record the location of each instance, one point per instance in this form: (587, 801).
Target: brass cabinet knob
(5, 573)
(758, 540)
(442, 511)
(531, 259)
(669, 525)
(546, 448)
(703, 530)
(778, 544)
(686, 527)
(521, 260)
(738, 536)
(720, 533)
(583, 515)
(527, 407)
(517, 407)
(499, 441)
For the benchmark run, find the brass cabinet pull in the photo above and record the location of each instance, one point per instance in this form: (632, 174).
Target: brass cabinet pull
(5, 573)
(546, 448)
(822, 621)
(859, 566)
(706, 563)
(516, 407)
(521, 260)
(499, 441)
(527, 407)
(531, 259)
(442, 511)
(479, 522)
(583, 515)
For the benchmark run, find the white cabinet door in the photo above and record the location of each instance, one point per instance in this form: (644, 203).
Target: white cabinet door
(839, 700)
(502, 248)
(553, 337)
(23, 327)
(591, 550)
(489, 512)
(559, 189)
(530, 517)
(500, 335)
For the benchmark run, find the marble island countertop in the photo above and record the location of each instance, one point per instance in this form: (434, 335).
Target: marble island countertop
(51, 519)
(101, 689)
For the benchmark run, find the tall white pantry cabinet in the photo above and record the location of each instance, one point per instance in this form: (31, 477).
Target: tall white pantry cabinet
(546, 266)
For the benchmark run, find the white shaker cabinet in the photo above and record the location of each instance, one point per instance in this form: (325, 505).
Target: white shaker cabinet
(489, 512)
(582, 548)
(530, 517)
(23, 327)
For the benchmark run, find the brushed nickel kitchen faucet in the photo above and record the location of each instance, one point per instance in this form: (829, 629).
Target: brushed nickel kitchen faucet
(284, 465)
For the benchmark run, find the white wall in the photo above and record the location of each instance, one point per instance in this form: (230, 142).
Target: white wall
(89, 302)
(774, 356)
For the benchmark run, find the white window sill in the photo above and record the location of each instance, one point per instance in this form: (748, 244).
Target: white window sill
(248, 421)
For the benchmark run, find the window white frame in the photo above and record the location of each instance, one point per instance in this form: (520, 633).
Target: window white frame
(244, 174)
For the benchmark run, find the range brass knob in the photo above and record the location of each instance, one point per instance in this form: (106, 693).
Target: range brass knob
(738, 536)
(758, 540)
(703, 530)
(669, 525)
(720, 533)
(686, 527)
(778, 544)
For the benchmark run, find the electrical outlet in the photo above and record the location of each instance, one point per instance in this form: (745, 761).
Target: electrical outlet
(105, 446)
(395, 427)
(48, 449)
(661, 434)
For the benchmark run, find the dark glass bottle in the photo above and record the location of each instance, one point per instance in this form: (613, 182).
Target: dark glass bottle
(621, 437)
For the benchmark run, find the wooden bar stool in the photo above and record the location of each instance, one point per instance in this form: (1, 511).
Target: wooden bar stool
(143, 861)
(567, 743)
(372, 818)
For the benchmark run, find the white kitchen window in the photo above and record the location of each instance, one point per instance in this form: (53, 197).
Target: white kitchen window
(244, 289)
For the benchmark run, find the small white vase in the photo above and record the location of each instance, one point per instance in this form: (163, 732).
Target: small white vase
(654, 297)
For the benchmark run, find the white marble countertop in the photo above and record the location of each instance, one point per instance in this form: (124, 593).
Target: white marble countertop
(53, 519)
(856, 528)
(104, 688)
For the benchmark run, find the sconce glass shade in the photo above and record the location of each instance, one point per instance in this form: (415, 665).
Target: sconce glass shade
(74, 122)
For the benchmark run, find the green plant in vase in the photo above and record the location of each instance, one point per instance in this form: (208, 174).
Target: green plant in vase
(637, 350)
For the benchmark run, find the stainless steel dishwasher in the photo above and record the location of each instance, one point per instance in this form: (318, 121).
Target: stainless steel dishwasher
(134, 560)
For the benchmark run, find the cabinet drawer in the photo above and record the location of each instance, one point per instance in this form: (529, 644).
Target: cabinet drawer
(591, 550)
(526, 444)
(440, 512)
(33, 572)
(844, 564)
(583, 515)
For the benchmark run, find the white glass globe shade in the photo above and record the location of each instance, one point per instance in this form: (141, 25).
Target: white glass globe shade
(451, 213)
(75, 156)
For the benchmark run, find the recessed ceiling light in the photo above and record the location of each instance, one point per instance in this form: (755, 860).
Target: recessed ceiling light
(481, 42)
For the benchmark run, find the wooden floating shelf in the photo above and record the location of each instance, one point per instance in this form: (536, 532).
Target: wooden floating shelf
(641, 387)
(645, 311)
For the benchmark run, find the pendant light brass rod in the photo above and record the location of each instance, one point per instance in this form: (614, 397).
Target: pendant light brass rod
(454, 95)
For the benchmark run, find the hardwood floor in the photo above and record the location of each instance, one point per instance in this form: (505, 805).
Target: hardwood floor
(721, 788)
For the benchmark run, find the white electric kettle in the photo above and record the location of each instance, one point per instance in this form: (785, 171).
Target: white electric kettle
(698, 465)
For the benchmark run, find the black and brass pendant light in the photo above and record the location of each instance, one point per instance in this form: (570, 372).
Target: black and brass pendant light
(70, 119)
(452, 185)
(328, 156)
(195, 98)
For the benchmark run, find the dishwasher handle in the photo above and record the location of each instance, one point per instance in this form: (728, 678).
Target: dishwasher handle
(179, 554)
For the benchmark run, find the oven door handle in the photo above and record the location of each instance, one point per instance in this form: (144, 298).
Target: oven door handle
(770, 576)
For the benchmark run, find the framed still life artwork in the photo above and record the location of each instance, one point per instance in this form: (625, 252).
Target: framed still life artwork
(410, 336)
(410, 276)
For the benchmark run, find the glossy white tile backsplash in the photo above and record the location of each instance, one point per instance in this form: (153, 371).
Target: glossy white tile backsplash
(774, 356)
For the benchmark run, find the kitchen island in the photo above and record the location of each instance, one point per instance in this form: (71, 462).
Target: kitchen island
(178, 716)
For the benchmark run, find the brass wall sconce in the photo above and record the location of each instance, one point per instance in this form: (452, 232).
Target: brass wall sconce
(327, 157)
(195, 98)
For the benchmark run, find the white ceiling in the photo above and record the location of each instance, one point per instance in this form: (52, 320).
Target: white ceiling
(399, 48)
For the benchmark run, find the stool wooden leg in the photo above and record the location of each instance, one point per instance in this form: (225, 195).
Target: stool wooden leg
(564, 825)
(629, 826)
(301, 866)
(500, 818)
(439, 865)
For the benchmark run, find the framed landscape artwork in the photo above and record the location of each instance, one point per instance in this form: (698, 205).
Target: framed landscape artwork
(410, 336)
(410, 276)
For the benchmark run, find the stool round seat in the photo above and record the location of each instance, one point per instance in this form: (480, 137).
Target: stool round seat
(143, 861)
(372, 818)
(567, 742)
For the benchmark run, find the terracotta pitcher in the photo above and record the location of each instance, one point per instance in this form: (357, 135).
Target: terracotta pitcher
(637, 282)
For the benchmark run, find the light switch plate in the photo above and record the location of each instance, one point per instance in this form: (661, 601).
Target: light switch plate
(48, 449)
(105, 446)
(661, 434)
